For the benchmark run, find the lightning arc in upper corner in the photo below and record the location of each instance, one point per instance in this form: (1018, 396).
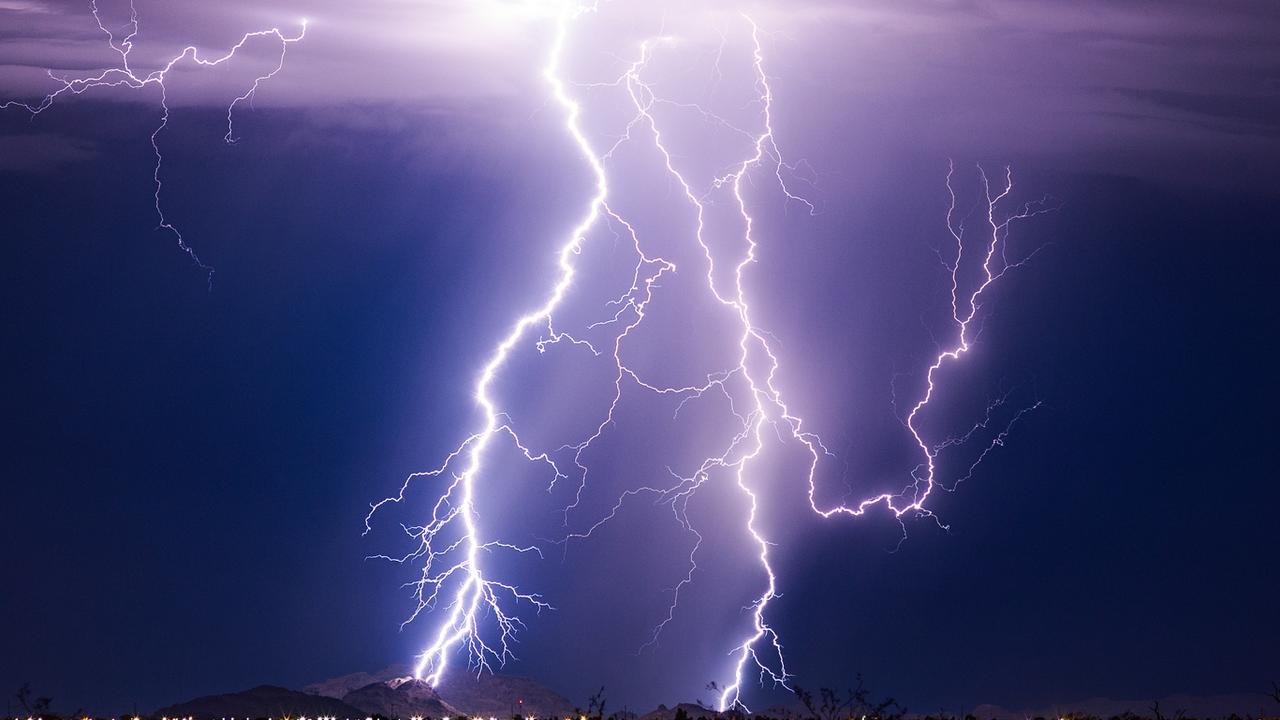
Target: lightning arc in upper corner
(451, 546)
(124, 74)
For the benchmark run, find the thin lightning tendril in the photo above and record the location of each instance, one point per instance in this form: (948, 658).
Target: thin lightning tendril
(964, 310)
(125, 75)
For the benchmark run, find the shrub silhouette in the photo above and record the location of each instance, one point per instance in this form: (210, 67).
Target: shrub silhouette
(855, 702)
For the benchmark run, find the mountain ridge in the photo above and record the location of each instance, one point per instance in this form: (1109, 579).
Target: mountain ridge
(393, 693)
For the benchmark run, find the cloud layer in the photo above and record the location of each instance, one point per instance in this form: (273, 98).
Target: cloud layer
(1180, 89)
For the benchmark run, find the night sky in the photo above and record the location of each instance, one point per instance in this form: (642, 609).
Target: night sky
(186, 469)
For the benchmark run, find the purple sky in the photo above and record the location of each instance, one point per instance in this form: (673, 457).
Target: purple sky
(397, 198)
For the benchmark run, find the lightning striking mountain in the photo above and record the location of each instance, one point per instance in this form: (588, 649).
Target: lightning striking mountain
(479, 611)
(453, 548)
(124, 74)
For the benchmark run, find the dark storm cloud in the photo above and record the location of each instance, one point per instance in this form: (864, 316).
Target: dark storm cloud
(400, 49)
(1235, 114)
(388, 50)
(1174, 89)
(1178, 90)
(23, 6)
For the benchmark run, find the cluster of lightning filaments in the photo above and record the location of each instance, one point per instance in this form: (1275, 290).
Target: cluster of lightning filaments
(124, 74)
(964, 314)
(452, 571)
(451, 546)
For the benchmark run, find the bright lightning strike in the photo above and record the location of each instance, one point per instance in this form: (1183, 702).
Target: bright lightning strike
(478, 610)
(470, 590)
(125, 74)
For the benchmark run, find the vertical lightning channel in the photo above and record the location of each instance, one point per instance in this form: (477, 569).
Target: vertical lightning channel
(125, 75)
(766, 399)
(476, 593)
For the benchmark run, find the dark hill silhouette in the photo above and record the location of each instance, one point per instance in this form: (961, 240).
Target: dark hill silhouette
(264, 701)
(690, 710)
(400, 698)
(339, 687)
(488, 695)
(499, 695)
(1194, 706)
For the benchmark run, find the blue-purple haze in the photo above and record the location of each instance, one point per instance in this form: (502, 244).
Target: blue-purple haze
(187, 470)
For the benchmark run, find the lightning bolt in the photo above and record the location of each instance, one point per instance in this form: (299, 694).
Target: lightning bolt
(470, 590)
(762, 393)
(452, 546)
(125, 75)
(480, 611)
(964, 310)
